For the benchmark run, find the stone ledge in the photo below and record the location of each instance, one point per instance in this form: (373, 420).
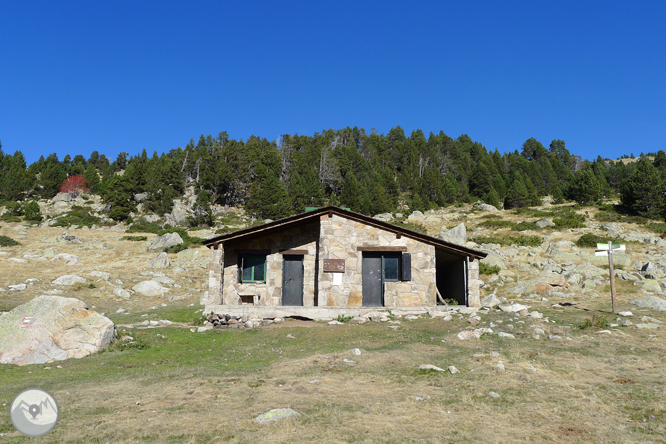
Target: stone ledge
(314, 313)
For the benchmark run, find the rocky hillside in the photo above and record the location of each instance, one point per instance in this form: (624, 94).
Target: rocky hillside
(543, 255)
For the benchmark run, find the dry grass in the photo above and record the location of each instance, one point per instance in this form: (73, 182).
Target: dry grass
(202, 388)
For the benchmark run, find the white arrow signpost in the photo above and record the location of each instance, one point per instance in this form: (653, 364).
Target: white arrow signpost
(607, 250)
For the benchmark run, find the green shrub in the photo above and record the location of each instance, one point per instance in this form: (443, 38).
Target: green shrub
(523, 226)
(8, 217)
(656, 227)
(343, 318)
(488, 269)
(497, 224)
(591, 240)
(598, 321)
(78, 215)
(33, 212)
(569, 219)
(134, 343)
(8, 242)
(144, 227)
(134, 238)
(524, 241)
(15, 208)
(119, 213)
(410, 226)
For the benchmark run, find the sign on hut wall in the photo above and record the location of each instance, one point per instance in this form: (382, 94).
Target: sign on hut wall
(334, 265)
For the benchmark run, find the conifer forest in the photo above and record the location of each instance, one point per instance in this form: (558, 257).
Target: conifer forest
(368, 173)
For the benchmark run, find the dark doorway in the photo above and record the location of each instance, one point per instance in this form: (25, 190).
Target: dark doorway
(292, 280)
(451, 276)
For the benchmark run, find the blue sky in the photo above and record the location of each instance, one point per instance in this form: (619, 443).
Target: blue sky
(76, 77)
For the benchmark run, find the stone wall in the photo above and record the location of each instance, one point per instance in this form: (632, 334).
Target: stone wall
(302, 237)
(473, 287)
(340, 238)
(215, 276)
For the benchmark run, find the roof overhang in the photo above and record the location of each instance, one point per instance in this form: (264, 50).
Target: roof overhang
(310, 216)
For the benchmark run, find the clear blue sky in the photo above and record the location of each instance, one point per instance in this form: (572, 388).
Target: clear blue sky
(126, 75)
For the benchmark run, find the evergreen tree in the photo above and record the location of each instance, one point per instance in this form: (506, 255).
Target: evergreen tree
(644, 191)
(268, 198)
(92, 177)
(492, 198)
(32, 212)
(558, 196)
(585, 188)
(352, 194)
(517, 196)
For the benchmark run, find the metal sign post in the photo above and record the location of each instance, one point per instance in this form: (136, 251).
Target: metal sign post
(603, 249)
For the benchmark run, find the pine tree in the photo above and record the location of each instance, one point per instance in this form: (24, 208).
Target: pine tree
(643, 192)
(585, 188)
(202, 214)
(92, 177)
(492, 198)
(352, 194)
(268, 198)
(517, 196)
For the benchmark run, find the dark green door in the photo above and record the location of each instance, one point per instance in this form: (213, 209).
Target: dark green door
(373, 287)
(292, 278)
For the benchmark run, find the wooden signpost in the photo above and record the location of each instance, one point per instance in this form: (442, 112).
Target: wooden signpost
(607, 250)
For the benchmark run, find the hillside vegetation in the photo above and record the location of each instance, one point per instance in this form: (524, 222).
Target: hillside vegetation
(369, 173)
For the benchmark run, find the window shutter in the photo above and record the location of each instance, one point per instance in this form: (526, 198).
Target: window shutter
(240, 269)
(406, 267)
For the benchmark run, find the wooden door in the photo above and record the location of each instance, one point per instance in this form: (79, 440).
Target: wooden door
(373, 287)
(292, 277)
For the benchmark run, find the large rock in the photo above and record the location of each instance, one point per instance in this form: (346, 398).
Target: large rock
(62, 197)
(151, 218)
(160, 261)
(650, 302)
(178, 216)
(66, 238)
(546, 283)
(69, 259)
(150, 288)
(415, 216)
(161, 243)
(486, 207)
(456, 235)
(385, 217)
(276, 414)
(52, 328)
(544, 223)
(69, 279)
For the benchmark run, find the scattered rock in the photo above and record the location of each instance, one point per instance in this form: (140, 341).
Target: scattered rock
(69, 259)
(506, 335)
(276, 414)
(66, 238)
(650, 302)
(625, 313)
(161, 261)
(163, 242)
(493, 395)
(648, 325)
(62, 328)
(490, 301)
(118, 291)
(486, 207)
(69, 279)
(543, 223)
(430, 367)
(452, 368)
(150, 288)
(18, 260)
(356, 352)
(456, 235)
(290, 336)
(513, 308)
(17, 287)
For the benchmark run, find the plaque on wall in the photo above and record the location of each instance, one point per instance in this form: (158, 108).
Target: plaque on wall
(334, 265)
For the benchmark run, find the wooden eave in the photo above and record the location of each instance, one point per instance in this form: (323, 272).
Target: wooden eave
(310, 216)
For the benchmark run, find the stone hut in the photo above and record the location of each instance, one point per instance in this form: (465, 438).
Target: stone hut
(330, 258)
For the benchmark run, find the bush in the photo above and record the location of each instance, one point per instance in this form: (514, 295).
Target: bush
(524, 241)
(8, 217)
(80, 216)
(15, 209)
(74, 184)
(8, 242)
(119, 213)
(488, 269)
(33, 212)
(144, 227)
(134, 238)
(656, 227)
(591, 240)
(497, 224)
(523, 226)
(598, 321)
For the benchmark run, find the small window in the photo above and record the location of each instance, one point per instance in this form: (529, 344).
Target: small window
(391, 267)
(253, 268)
